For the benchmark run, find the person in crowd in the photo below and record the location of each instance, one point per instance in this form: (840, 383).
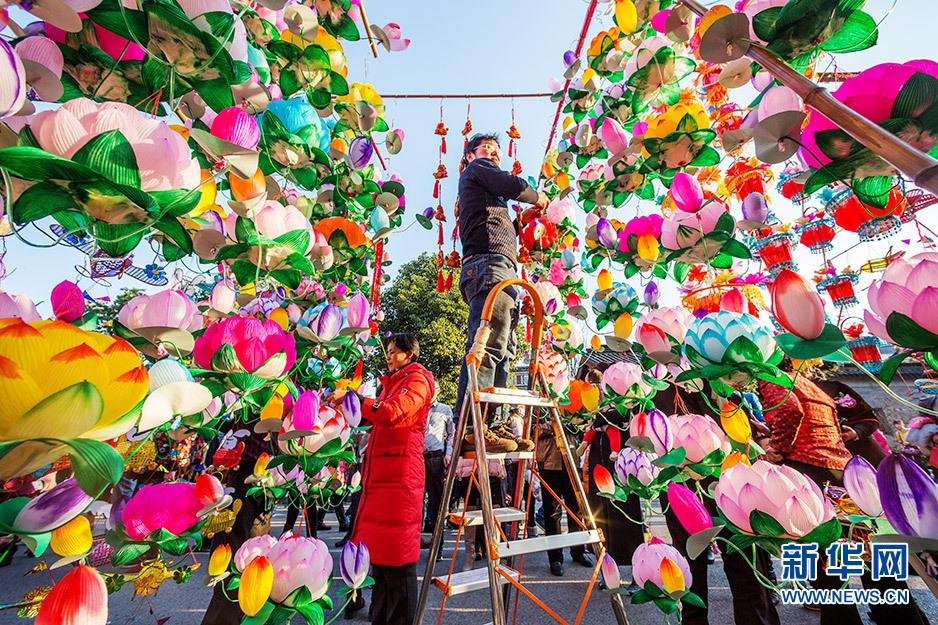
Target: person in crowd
(555, 477)
(858, 421)
(806, 436)
(752, 602)
(252, 519)
(489, 234)
(439, 432)
(391, 506)
(621, 523)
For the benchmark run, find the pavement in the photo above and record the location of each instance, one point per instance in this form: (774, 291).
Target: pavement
(183, 604)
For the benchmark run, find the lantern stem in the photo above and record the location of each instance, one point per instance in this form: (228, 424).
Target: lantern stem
(922, 168)
(371, 40)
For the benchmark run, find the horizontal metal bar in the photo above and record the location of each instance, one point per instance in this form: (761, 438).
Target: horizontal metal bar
(546, 543)
(468, 581)
(502, 515)
(511, 455)
(523, 398)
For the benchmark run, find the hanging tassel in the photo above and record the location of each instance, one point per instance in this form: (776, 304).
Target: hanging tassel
(455, 236)
(443, 147)
(439, 282)
(511, 148)
(449, 282)
(436, 189)
(440, 241)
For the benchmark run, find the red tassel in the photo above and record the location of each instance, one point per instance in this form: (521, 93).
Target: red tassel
(439, 282)
(449, 282)
(511, 148)
(440, 241)
(455, 236)
(443, 147)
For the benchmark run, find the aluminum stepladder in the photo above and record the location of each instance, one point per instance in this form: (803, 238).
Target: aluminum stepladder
(507, 546)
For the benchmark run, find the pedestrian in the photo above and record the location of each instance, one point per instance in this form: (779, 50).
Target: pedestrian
(553, 475)
(489, 232)
(391, 505)
(806, 436)
(858, 421)
(621, 522)
(435, 447)
(752, 602)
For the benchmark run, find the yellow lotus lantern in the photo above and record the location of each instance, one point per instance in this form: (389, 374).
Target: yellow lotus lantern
(59, 382)
(363, 92)
(666, 123)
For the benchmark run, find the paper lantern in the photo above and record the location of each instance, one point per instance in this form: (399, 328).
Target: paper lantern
(744, 178)
(817, 235)
(865, 350)
(840, 289)
(870, 223)
(775, 251)
(789, 185)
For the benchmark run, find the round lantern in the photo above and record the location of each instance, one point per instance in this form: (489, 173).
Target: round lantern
(870, 223)
(789, 186)
(775, 251)
(818, 235)
(865, 350)
(840, 289)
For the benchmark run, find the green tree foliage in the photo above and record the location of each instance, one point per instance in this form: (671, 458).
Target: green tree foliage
(412, 304)
(107, 311)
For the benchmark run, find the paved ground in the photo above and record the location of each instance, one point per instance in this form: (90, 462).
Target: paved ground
(184, 604)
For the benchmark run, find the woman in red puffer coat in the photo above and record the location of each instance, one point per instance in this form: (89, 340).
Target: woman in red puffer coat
(391, 507)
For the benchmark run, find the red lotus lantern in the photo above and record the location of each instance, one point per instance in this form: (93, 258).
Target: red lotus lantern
(869, 222)
(818, 235)
(539, 235)
(840, 289)
(775, 251)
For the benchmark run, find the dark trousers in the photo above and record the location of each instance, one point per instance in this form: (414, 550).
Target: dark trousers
(479, 276)
(310, 518)
(253, 519)
(436, 473)
(394, 595)
(559, 481)
(752, 602)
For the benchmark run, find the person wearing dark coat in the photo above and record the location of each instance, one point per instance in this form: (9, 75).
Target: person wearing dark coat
(752, 602)
(390, 509)
(858, 421)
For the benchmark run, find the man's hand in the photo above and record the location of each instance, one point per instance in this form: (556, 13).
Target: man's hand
(848, 433)
(447, 459)
(335, 397)
(542, 200)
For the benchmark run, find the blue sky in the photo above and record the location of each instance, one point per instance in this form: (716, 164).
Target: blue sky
(483, 46)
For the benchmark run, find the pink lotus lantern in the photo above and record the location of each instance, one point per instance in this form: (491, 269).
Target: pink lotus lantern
(299, 562)
(68, 302)
(245, 345)
(775, 252)
(173, 506)
(311, 425)
(647, 563)
(236, 126)
(840, 289)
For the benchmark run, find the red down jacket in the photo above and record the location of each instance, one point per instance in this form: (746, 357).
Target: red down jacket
(391, 508)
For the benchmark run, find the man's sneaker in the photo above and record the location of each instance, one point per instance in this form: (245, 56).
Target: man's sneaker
(504, 431)
(494, 444)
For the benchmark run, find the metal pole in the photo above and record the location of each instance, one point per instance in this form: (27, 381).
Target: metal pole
(437, 544)
(485, 492)
(922, 168)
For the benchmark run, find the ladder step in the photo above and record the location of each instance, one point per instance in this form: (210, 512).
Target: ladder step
(514, 397)
(502, 515)
(467, 581)
(545, 543)
(511, 455)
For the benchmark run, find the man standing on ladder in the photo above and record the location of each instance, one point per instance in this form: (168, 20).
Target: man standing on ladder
(489, 236)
